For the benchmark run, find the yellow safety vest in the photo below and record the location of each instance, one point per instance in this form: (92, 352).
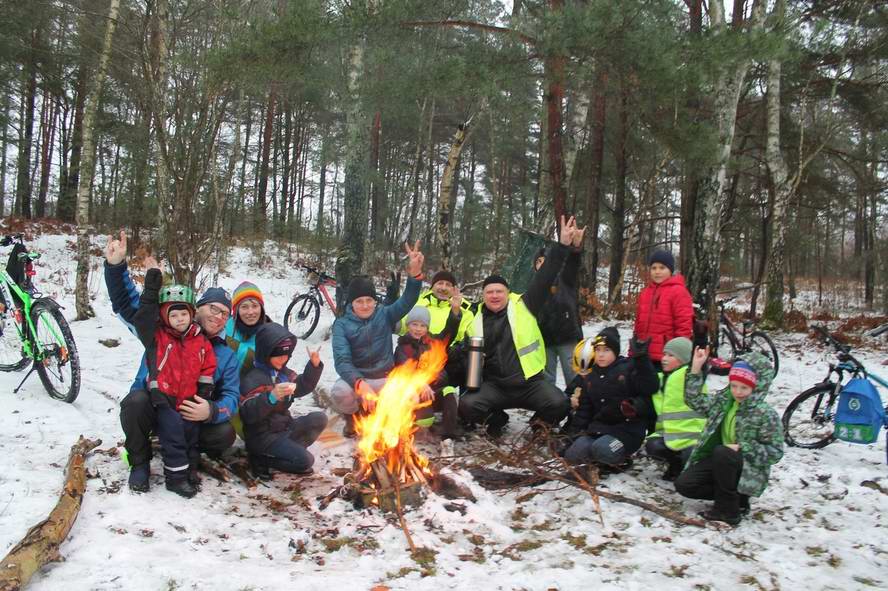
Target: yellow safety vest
(439, 310)
(678, 425)
(525, 335)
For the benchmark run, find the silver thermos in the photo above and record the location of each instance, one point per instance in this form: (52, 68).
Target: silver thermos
(475, 362)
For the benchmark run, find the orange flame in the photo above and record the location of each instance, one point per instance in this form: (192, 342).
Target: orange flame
(387, 432)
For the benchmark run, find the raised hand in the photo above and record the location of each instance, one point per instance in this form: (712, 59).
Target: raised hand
(314, 356)
(578, 238)
(699, 359)
(415, 259)
(568, 229)
(115, 249)
(456, 300)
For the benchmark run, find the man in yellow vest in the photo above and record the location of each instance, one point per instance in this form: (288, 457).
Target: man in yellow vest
(678, 426)
(514, 351)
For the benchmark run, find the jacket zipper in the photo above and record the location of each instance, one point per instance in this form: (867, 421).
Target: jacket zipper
(165, 356)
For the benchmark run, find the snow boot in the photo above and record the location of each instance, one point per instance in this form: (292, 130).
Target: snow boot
(181, 487)
(496, 422)
(259, 466)
(138, 478)
(723, 516)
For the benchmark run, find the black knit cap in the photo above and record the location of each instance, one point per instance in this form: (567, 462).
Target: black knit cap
(359, 287)
(610, 338)
(664, 257)
(443, 275)
(491, 279)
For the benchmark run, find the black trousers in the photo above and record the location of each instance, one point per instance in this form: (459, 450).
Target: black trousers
(547, 401)
(139, 419)
(656, 448)
(714, 478)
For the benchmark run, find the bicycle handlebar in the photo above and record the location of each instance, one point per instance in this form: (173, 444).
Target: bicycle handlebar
(10, 238)
(843, 351)
(319, 273)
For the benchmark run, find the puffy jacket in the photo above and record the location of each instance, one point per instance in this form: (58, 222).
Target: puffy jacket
(363, 348)
(758, 427)
(665, 311)
(264, 416)
(226, 379)
(559, 320)
(604, 389)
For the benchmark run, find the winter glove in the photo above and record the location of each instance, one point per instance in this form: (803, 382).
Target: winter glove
(153, 282)
(639, 348)
(609, 415)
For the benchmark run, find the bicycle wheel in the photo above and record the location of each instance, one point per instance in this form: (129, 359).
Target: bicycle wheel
(59, 369)
(808, 420)
(760, 342)
(302, 315)
(726, 348)
(12, 329)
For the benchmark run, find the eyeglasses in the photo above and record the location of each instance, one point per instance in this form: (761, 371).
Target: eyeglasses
(218, 311)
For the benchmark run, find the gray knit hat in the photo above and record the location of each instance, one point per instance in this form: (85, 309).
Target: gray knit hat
(418, 314)
(681, 348)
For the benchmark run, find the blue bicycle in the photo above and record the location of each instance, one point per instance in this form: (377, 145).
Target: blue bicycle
(809, 420)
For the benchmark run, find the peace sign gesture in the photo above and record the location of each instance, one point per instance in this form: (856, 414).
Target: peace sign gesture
(415, 258)
(314, 356)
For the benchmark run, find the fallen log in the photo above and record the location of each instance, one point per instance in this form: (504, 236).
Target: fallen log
(41, 544)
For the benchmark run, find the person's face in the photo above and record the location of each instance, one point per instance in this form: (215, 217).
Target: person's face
(740, 391)
(179, 320)
(417, 330)
(604, 356)
(496, 296)
(278, 361)
(442, 289)
(669, 362)
(364, 307)
(660, 273)
(538, 263)
(249, 311)
(212, 318)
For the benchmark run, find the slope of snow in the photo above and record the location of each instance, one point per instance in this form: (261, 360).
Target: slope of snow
(820, 524)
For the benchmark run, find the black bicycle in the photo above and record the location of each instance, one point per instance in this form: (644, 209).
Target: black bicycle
(743, 340)
(301, 317)
(809, 420)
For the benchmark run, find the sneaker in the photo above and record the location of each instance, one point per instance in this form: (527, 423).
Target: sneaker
(138, 478)
(181, 487)
(259, 467)
(496, 423)
(718, 515)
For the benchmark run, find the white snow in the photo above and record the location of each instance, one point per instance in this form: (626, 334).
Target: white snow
(816, 526)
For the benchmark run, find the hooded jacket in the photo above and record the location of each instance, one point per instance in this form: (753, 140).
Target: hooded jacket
(264, 416)
(665, 311)
(758, 427)
(559, 320)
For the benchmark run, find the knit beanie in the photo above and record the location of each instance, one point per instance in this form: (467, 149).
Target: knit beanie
(610, 338)
(418, 314)
(681, 348)
(243, 291)
(360, 287)
(664, 257)
(742, 372)
(443, 275)
(215, 295)
(491, 279)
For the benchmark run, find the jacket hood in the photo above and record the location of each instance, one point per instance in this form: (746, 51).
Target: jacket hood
(267, 337)
(764, 375)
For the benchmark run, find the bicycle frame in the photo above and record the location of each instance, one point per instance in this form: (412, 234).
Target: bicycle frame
(27, 302)
(321, 287)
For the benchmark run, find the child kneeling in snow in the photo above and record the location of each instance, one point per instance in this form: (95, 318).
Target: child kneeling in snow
(181, 363)
(274, 438)
(411, 346)
(742, 439)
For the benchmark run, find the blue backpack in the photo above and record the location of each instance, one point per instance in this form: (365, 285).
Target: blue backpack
(860, 414)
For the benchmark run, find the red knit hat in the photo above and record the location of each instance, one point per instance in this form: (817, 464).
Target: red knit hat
(743, 373)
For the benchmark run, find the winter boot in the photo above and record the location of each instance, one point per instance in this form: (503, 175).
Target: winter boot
(744, 504)
(193, 467)
(181, 487)
(138, 478)
(496, 422)
(348, 429)
(673, 471)
(259, 467)
(723, 516)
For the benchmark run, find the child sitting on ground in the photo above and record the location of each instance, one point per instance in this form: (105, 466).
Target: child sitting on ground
(614, 403)
(274, 438)
(678, 427)
(742, 439)
(411, 346)
(180, 363)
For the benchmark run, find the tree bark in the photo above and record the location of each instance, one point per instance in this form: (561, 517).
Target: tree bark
(67, 206)
(445, 195)
(596, 167)
(23, 180)
(618, 226)
(4, 144)
(261, 205)
(554, 104)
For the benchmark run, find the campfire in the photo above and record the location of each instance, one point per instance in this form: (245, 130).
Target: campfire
(389, 471)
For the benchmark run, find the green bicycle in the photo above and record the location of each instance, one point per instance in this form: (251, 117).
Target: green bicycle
(33, 329)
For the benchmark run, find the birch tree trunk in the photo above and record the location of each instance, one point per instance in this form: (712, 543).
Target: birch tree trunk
(446, 193)
(157, 78)
(81, 290)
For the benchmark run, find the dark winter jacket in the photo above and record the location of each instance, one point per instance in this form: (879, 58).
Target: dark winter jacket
(758, 427)
(180, 365)
(411, 348)
(501, 364)
(664, 311)
(363, 348)
(265, 417)
(559, 320)
(226, 379)
(604, 392)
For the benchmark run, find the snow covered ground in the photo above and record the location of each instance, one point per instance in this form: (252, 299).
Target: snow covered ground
(820, 525)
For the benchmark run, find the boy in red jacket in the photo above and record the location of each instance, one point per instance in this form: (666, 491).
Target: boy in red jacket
(181, 363)
(665, 309)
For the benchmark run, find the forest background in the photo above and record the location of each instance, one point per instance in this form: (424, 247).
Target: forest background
(749, 136)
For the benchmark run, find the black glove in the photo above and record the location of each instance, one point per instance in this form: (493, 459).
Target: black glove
(158, 398)
(639, 348)
(609, 415)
